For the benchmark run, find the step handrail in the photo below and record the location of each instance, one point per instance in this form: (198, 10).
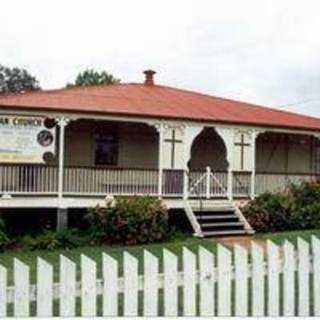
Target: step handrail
(242, 218)
(192, 219)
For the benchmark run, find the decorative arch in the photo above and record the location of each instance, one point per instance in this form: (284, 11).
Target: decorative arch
(208, 149)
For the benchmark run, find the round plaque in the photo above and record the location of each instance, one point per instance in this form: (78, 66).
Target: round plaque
(45, 138)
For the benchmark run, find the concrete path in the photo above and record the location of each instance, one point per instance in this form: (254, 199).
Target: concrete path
(244, 241)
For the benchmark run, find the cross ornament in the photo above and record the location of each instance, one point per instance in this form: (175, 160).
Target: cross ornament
(173, 142)
(242, 145)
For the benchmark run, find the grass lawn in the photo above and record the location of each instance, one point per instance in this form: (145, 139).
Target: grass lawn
(280, 237)
(95, 252)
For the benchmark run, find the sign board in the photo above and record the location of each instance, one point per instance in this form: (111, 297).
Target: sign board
(25, 139)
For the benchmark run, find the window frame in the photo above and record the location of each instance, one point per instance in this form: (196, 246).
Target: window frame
(105, 131)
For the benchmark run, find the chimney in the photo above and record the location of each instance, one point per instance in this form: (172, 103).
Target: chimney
(149, 77)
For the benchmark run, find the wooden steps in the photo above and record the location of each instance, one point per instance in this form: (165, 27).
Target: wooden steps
(208, 234)
(219, 218)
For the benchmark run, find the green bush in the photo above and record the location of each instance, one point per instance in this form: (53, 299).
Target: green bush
(44, 241)
(297, 208)
(5, 241)
(130, 221)
(51, 240)
(70, 238)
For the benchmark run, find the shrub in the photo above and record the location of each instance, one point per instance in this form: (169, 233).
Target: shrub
(45, 241)
(268, 213)
(69, 238)
(50, 240)
(130, 221)
(296, 208)
(5, 241)
(306, 208)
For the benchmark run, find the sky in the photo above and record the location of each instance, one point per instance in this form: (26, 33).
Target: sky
(265, 52)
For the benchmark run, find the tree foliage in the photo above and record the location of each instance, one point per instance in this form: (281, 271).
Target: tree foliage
(17, 80)
(91, 77)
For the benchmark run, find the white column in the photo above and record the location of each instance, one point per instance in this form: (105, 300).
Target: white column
(208, 178)
(185, 183)
(160, 159)
(62, 212)
(227, 135)
(230, 184)
(254, 135)
(190, 133)
(62, 123)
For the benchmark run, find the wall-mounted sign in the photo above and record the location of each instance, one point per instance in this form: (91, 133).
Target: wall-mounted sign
(26, 139)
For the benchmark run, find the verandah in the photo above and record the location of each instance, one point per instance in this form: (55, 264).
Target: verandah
(91, 163)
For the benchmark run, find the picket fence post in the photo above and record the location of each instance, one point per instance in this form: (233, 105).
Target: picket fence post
(3, 291)
(189, 282)
(44, 288)
(207, 282)
(88, 287)
(150, 290)
(273, 279)
(224, 282)
(257, 294)
(21, 292)
(170, 267)
(303, 278)
(316, 275)
(67, 287)
(130, 275)
(288, 279)
(241, 281)
(110, 286)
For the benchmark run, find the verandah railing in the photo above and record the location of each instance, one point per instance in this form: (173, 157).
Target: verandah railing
(273, 182)
(94, 181)
(28, 179)
(42, 179)
(241, 183)
(117, 181)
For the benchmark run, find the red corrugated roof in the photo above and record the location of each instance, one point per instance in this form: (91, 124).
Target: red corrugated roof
(159, 102)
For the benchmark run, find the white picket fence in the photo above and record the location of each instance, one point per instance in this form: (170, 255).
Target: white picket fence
(282, 281)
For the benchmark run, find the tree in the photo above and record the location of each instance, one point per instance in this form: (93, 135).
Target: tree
(16, 80)
(91, 77)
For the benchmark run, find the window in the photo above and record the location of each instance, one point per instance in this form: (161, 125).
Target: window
(106, 149)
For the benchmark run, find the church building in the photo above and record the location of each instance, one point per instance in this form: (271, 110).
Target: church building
(204, 155)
